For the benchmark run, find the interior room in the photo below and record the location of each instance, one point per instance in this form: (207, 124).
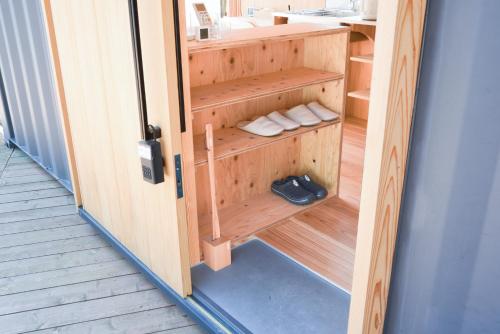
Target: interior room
(262, 65)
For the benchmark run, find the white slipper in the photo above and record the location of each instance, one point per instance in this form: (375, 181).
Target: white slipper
(323, 113)
(302, 115)
(287, 123)
(261, 126)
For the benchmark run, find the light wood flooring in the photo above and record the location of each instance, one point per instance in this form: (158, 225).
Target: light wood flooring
(323, 238)
(57, 275)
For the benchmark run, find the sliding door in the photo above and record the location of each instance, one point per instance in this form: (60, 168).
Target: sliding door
(92, 46)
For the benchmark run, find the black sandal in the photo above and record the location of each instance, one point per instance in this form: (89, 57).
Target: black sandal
(292, 191)
(307, 183)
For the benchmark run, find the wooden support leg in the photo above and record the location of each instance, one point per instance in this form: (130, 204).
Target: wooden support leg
(216, 250)
(217, 253)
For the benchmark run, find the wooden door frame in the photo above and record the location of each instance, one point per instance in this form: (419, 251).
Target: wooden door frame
(395, 72)
(400, 28)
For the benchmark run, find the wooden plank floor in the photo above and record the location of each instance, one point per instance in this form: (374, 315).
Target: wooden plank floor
(323, 238)
(57, 275)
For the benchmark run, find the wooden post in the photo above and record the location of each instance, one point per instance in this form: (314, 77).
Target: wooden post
(216, 250)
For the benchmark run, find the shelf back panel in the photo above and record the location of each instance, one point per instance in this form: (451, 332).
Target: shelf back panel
(229, 64)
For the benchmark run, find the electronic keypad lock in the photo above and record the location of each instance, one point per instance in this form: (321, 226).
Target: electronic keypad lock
(151, 158)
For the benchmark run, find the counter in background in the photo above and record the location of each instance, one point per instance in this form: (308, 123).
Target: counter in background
(294, 17)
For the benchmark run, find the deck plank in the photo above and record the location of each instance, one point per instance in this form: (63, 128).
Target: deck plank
(19, 188)
(56, 211)
(33, 194)
(61, 277)
(58, 275)
(150, 321)
(23, 165)
(33, 237)
(51, 248)
(40, 224)
(39, 203)
(25, 179)
(57, 261)
(73, 293)
(14, 172)
(85, 311)
(194, 329)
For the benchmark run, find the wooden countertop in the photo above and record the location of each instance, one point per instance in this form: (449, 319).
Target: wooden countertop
(243, 37)
(326, 19)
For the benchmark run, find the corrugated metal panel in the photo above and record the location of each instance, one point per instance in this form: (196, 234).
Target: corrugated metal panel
(30, 87)
(447, 270)
(5, 121)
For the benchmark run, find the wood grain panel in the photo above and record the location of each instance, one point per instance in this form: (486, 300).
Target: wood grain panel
(261, 35)
(320, 156)
(188, 168)
(233, 141)
(93, 42)
(240, 221)
(229, 64)
(230, 116)
(239, 90)
(396, 64)
(244, 176)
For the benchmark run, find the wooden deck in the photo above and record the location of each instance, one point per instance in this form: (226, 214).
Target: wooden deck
(57, 275)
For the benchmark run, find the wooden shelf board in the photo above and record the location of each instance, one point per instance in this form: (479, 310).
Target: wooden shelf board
(232, 141)
(360, 94)
(363, 59)
(239, 90)
(242, 220)
(257, 35)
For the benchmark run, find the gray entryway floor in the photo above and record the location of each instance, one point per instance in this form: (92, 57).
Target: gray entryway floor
(57, 275)
(267, 292)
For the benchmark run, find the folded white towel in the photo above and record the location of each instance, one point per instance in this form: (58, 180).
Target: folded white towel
(302, 115)
(285, 122)
(261, 126)
(323, 113)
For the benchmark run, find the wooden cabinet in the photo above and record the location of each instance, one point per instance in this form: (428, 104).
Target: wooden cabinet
(360, 70)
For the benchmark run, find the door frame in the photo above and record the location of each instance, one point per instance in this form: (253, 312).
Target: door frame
(398, 45)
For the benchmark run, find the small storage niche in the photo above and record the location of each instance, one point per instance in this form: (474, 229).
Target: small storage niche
(252, 73)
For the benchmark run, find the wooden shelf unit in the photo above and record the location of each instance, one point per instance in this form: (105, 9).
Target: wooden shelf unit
(252, 73)
(261, 35)
(360, 73)
(368, 59)
(233, 141)
(240, 90)
(241, 220)
(363, 94)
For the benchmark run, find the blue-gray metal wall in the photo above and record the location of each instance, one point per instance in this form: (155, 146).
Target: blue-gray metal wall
(446, 276)
(30, 93)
